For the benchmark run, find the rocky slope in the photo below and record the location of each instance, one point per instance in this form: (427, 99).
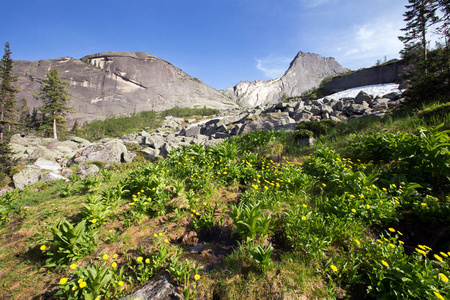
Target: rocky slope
(306, 71)
(119, 83)
(53, 156)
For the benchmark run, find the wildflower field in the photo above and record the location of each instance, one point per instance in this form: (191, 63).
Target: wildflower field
(365, 213)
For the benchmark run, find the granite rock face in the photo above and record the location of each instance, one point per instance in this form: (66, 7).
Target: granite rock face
(305, 72)
(119, 83)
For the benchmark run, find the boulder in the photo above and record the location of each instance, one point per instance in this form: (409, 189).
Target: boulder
(53, 177)
(48, 154)
(158, 289)
(392, 96)
(29, 175)
(358, 108)
(47, 165)
(192, 131)
(87, 170)
(362, 97)
(25, 140)
(154, 141)
(106, 150)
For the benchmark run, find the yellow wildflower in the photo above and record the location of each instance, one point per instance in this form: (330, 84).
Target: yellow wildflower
(83, 284)
(93, 221)
(439, 296)
(197, 277)
(303, 218)
(438, 258)
(443, 277)
(139, 259)
(443, 254)
(166, 241)
(421, 251)
(147, 260)
(391, 229)
(43, 247)
(385, 264)
(392, 246)
(73, 266)
(155, 235)
(63, 280)
(74, 288)
(120, 283)
(357, 242)
(334, 268)
(114, 264)
(105, 256)
(353, 210)
(160, 234)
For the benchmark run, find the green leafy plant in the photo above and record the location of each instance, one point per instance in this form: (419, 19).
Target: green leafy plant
(69, 243)
(250, 221)
(261, 256)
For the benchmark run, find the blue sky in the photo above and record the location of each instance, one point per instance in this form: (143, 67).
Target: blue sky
(220, 42)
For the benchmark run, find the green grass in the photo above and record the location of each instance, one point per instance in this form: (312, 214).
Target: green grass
(342, 226)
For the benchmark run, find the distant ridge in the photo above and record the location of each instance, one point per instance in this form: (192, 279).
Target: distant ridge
(306, 71)
(119, 83)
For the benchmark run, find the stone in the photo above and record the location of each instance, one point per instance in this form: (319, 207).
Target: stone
(154, 141)
(53, 177)
(339, 105)
(392, 96)
(66, 172)
(157, 289)
(106, 150)
(326, 109)
(307, 141)
(87, 170)
(315, 110)
(193, 130)
(29, 175)
(358, 108)
(43, 152)
(150, 153)
(362, 97)
(47, 165)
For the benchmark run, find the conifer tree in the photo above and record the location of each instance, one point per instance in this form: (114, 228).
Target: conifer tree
(54, 96)
(7, 92)
(444, 28)
(420, 15)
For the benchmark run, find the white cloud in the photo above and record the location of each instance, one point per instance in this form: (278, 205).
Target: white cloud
(272, 66)
(377, 38)
(367, 43)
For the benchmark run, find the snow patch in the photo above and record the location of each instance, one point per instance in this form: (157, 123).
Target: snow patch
(374, 90)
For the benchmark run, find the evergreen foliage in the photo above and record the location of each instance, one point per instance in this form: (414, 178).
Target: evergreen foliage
(427, 71)
(7, 92)
(54, 96)
(182, 112)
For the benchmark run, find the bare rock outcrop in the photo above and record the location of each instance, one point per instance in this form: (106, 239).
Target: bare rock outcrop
(305, 72)
(119, 83)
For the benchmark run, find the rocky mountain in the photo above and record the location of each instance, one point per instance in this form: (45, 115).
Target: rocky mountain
(306, 71)
(119, 83)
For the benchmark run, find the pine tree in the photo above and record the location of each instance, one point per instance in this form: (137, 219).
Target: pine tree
(444, 28)
(7, 92)
(54, 96)
(420, 15)
(24, 115)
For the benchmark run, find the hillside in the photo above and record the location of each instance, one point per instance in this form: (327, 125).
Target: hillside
(256, 217)
(305, 72)
(119, 83)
